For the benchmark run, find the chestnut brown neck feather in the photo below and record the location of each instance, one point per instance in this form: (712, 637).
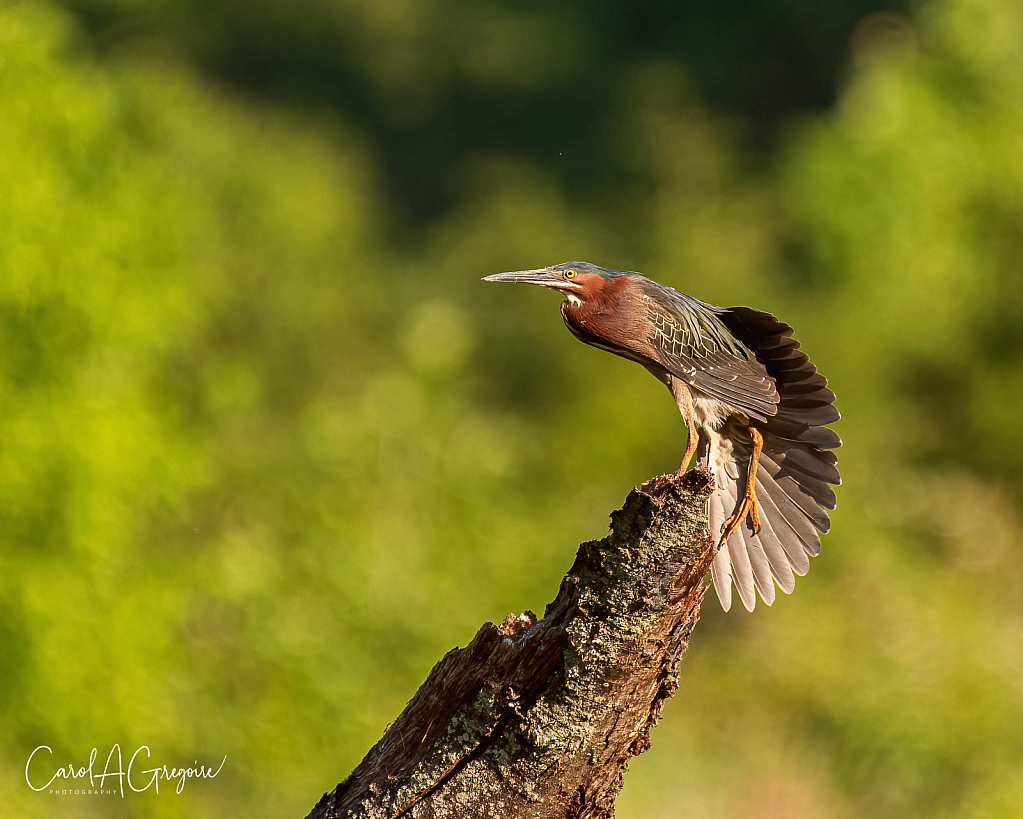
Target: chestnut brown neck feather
(604, 316)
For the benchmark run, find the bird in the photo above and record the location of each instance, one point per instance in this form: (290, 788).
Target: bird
(755, 407)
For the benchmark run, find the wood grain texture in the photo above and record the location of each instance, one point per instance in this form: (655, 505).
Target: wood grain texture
(539, 718)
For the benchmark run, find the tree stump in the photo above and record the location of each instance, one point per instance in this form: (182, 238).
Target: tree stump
(539, 718)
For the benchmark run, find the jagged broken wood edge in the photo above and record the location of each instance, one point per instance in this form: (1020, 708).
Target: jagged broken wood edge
(539, 718)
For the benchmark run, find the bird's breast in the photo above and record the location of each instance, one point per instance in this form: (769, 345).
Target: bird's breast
(607, 330)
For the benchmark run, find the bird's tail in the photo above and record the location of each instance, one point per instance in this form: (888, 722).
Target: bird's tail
(794, 477)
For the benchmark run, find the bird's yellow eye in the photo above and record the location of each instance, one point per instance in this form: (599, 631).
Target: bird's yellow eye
(569, 274)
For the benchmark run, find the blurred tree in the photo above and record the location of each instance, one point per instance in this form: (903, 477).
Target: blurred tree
(429, 81)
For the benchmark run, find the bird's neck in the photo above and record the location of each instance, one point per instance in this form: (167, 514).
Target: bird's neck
(596, 316)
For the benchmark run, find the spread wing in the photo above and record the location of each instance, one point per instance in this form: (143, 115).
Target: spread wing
(692, 343)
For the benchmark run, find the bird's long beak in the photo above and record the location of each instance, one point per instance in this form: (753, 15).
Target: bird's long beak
(543, 277)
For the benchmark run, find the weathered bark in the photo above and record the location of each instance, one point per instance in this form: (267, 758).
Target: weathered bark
(539, 718)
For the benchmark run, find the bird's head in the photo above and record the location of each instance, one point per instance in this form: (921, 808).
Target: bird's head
(578, 280)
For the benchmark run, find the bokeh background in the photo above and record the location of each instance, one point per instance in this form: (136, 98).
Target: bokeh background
(268, 448)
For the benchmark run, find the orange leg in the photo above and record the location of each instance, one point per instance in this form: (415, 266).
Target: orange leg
(749, 499)
(685, 404)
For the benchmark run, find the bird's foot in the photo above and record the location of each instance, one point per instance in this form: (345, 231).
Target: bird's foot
(749, 506)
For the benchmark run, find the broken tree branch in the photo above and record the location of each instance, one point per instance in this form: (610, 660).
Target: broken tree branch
(539, 718)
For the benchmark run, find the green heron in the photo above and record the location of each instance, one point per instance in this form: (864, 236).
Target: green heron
(760, 405)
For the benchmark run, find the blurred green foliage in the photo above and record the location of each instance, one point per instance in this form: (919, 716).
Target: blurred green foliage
(268, 448)
(428, 81)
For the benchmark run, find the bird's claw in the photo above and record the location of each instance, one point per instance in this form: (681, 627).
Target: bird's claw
(749, 506)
